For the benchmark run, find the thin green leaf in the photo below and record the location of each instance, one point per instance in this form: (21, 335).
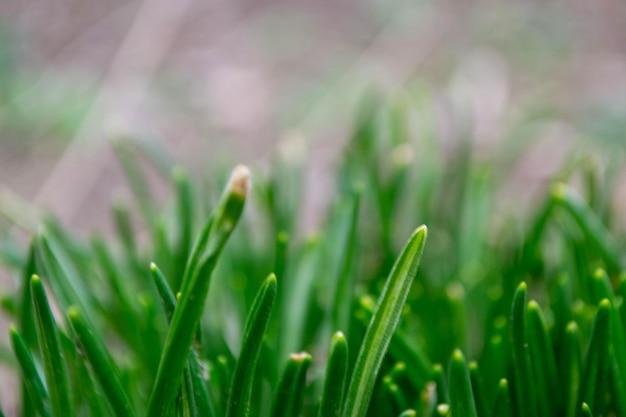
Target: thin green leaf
(335, 380)
(462, 403)
(194, 291)
(103, 367)
(586, 410)
(478, 388)
(572, 359)
(32, 381)
(239, 404)
(383, 324)
(526, 395)
(49, 344)
(502, 403)
(543, 361)
(596, 367)
(289, 394)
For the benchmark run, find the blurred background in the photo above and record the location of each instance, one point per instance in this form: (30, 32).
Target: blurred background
(216, 82)
(206, 84)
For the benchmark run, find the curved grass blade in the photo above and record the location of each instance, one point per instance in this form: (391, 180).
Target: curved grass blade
(525, 387)
(502, 403)
(27, 321)
(543, 361)
(82, 383)
(239, 404)
(462, 403)
(30, 377)
(572, 368)
(408, 413)
(103, 367)
(590, 224)
(586, 410)
(50, 346)
(478, 388)
(194, 385)
(195, 287)
(383, 324)
(335, 380)
(165, 292)
(596, 367)
(440, 384)
(288, 399)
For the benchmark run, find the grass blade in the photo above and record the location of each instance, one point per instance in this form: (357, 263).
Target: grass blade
(195, 287)
(572, 359)
(50, 346)
(478, 388)
(239, 404)
(502, 403)
(526, 395)
(30, 377)
(194, 388)
(335, 380)
(103, 367)
(544, 363)
(586, 411)
(288, 398)
(596, 369)
(462, 402)
(383, 324)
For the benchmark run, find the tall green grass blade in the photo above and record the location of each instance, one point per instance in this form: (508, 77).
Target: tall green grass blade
(239, 403)
(543, 361)
(383, 324)
(526, 394)
(30, 376)
(289, 393)
(596, 366)
(194, 291)
(586, 410)
(336, 375)
(483, 408)
(462, 402)
(49, 345)
(502, 403)
(27, 321)
(571, 365)
(194, 385)
(103, 367)
(443, 397)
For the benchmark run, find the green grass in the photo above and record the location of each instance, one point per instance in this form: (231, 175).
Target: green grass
(227, 310)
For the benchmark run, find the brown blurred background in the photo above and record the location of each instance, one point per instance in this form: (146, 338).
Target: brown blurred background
(209, 81)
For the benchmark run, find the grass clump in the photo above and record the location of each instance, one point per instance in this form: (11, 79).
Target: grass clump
(226, 314)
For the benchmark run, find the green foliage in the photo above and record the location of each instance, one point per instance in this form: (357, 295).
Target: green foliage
(505, 314)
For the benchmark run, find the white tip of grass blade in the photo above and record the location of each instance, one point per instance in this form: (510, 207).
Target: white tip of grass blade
(239, 182)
